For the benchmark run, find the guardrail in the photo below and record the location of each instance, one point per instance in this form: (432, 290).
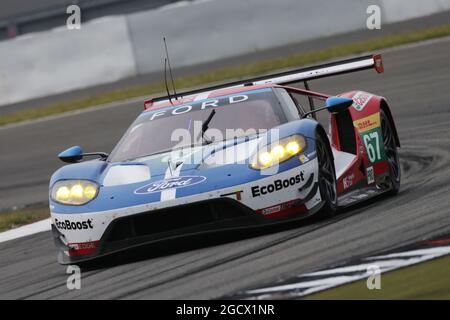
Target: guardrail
(109, 49)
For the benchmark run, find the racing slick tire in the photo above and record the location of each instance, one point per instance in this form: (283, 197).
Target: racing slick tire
(391, 151)
(327, 176)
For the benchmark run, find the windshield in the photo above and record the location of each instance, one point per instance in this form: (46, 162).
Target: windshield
(237, 115)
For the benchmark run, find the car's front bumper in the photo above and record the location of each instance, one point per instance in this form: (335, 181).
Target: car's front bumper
(86, 236)
(164, 224)
(143, 229)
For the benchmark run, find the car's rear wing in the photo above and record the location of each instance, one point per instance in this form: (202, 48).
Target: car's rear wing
(373, 61)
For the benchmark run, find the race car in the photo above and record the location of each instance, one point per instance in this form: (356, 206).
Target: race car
(228, 157)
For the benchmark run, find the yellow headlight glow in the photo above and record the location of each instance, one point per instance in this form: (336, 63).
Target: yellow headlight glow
(74, 192)
(278, 152)
(265, 159)
(63, 193)
(90, 192)
(293, 148)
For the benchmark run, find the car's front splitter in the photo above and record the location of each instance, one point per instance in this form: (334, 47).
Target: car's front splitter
(122, 235)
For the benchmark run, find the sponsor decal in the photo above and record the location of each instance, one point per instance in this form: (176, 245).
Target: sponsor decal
(83, 245)
(171, 183)
(360, 100)
(348, 181)
(204, 104)
(280, 207)
(367, 123)
(277, 185)
(237, 194)
(83, 248)
(212, 103)
(373, 142)
(370, 175)
(271, 210)
(69, 225)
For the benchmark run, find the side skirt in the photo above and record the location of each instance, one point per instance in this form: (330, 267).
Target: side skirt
(360, 195)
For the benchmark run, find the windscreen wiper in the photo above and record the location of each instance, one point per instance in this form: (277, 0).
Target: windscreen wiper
(205, 126)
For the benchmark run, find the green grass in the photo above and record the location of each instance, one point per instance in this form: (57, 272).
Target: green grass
(428, 280)
(235, 72)
(15, 218)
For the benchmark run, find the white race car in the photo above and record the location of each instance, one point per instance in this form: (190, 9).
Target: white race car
(235, 156)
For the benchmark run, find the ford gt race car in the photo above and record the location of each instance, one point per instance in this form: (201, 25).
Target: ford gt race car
(227, 157)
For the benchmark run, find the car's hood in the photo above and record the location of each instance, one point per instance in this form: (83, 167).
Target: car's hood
(178, 174)
(146, 180)
(191, 160)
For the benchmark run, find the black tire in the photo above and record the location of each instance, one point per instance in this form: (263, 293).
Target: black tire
(391, 151)
(327, 177)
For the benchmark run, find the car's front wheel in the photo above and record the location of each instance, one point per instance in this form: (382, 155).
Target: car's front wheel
(390, 148)
(327, 177)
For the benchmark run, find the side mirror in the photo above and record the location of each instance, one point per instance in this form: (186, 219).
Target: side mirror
(338, 104)
(71, 155)
(75, 154)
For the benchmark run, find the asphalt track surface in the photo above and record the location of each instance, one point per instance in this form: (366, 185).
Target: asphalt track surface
(416, 83)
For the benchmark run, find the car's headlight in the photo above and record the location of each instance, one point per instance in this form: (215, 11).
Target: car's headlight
(278, 152)
(74, 192)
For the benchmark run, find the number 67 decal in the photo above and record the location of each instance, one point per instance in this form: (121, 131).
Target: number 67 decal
(372, 143)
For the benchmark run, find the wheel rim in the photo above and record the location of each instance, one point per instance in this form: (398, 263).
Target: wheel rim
(390, 148)
(326, 173)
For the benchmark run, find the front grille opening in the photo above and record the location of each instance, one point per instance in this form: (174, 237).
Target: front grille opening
(171, 219)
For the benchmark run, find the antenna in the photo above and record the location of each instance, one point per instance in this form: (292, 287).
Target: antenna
(170, 68)
(165, 81)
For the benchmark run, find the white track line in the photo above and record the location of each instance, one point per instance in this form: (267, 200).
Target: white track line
(330, 278)
(29, 229)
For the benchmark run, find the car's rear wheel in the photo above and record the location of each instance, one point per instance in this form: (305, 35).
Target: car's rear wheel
(327, 177)
(391, 151)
